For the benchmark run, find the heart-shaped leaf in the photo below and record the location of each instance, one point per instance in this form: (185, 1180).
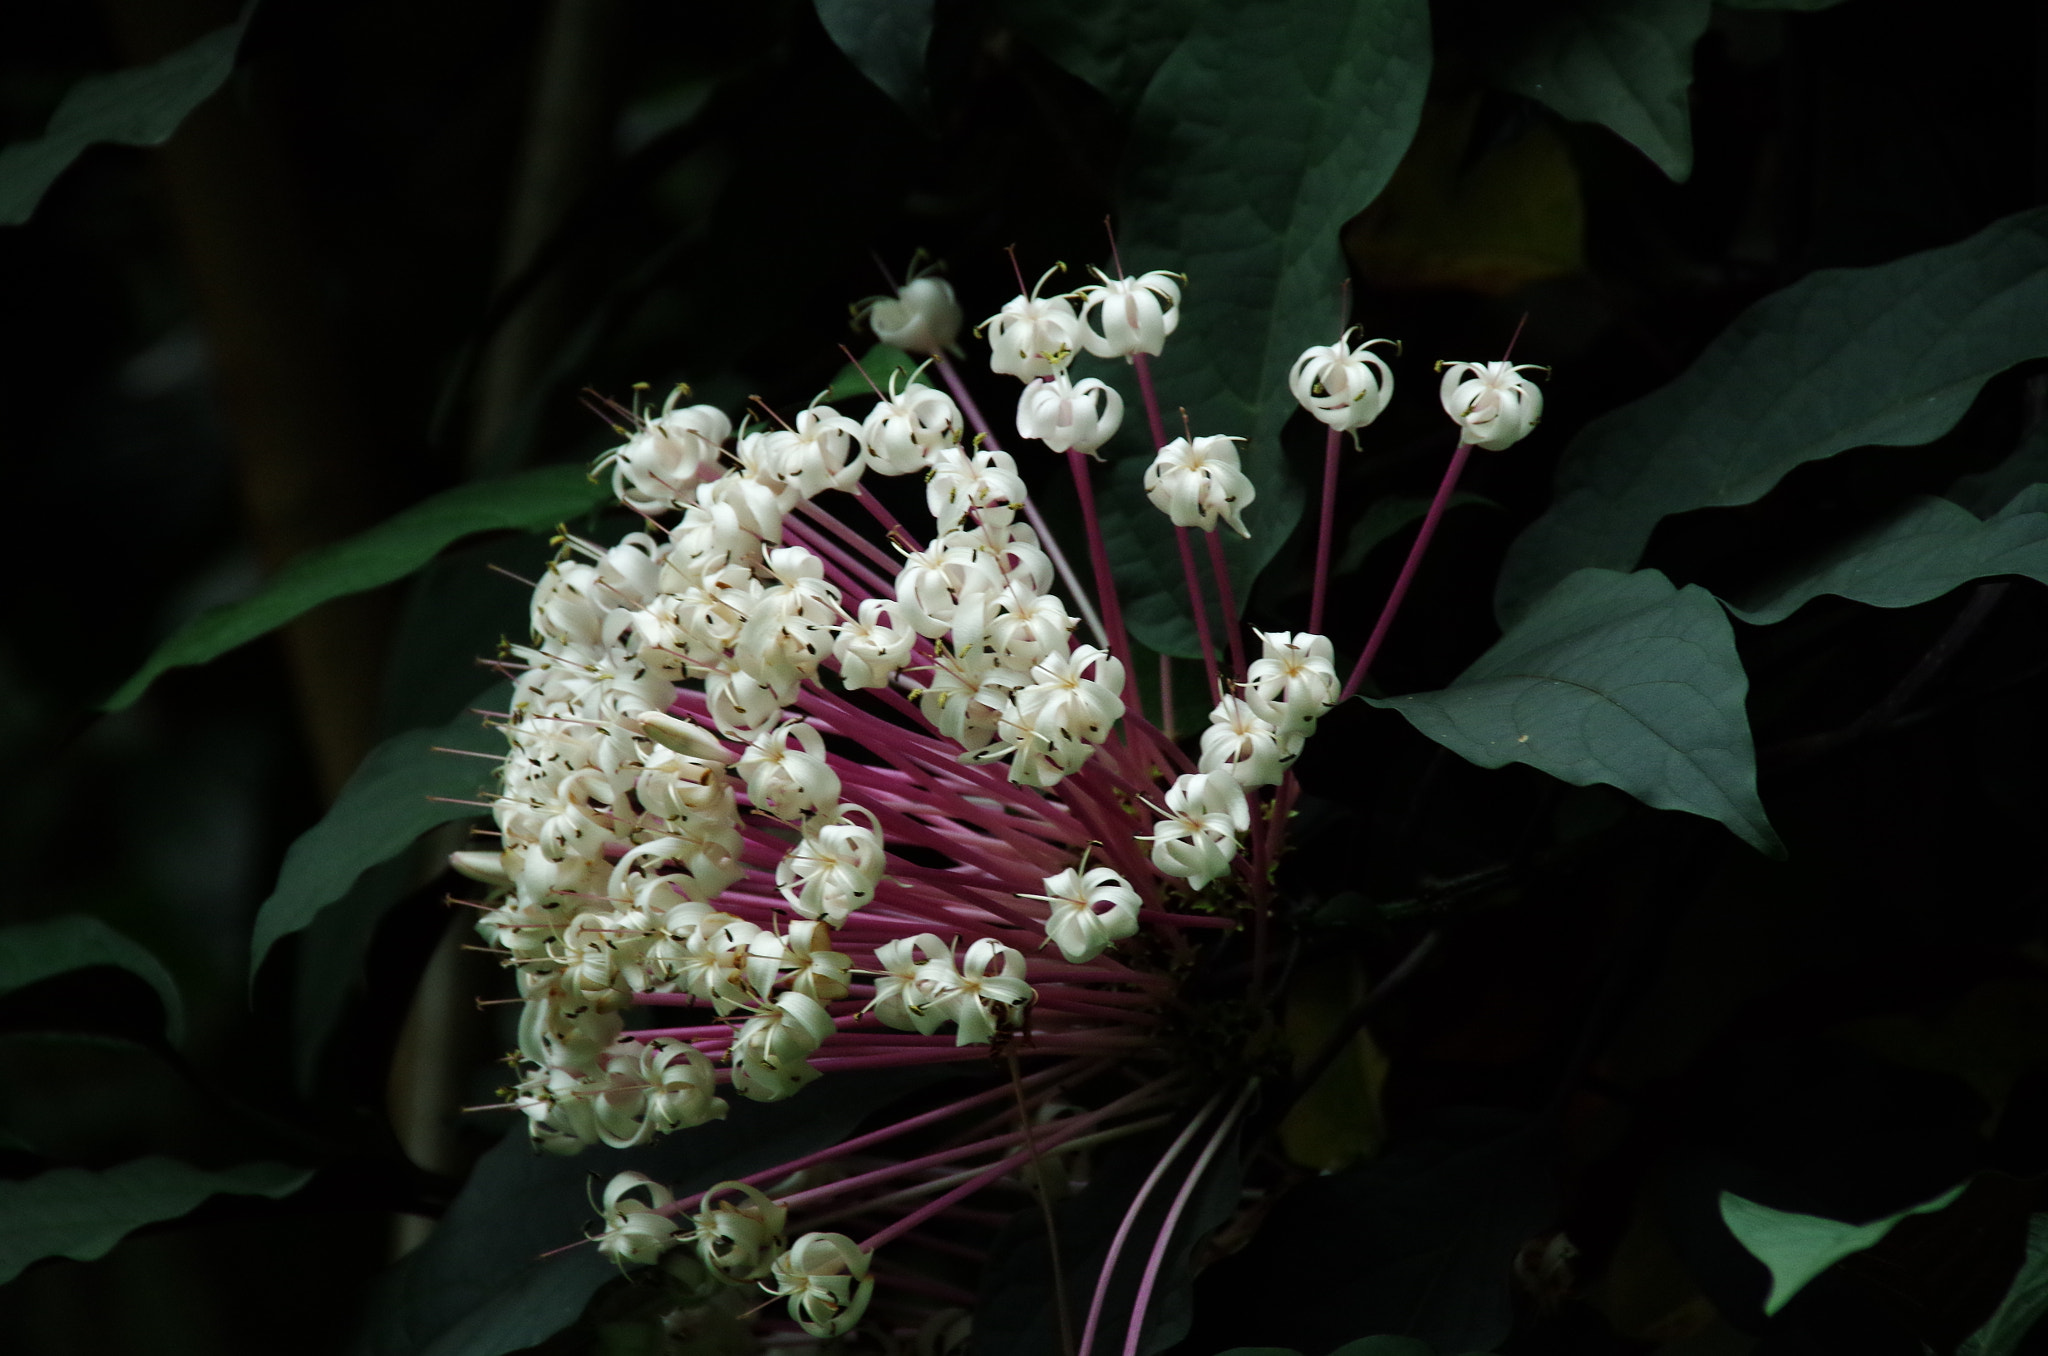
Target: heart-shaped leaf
(1891, 355)
(1615, 678)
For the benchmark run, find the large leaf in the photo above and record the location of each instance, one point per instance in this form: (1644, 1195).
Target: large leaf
(1927, 549)
(531, 501)
(2025, 1303)
(30, 952)
(381, 812)
(1114, 45)
(479, 1286)
(1616, 678)
(1798, 1248)
(1624, 63)
(140, 106)
(1889, 355)
(886, 40)
(1270, 125)
(70, 1212)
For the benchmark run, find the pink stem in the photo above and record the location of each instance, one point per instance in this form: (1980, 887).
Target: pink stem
(1227, 597)
(1408, 569)
(1098, 554)
(1173, 1213)
(1326, 529)
(1196, 606)
(1130, 1220)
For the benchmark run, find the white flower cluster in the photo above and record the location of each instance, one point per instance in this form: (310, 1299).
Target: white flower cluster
(1252, 741)
(622, 802)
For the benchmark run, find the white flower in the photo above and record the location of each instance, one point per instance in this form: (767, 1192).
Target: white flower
(1293, 682)
(1195, 483)
(635, 1232)
(1345, 387)
(769, 1052)
(1033, 336)
(1137, 313)
(825, 1277)
(789, 783)
(834, 868)
(868, 650)
(904, 430)
(1078, 924)
(738, 1240)
(923, 317)
(682, 1085)
(1494, 407)
(1205, 813)
(1070, 415)
(660, 466)
(1245, 745)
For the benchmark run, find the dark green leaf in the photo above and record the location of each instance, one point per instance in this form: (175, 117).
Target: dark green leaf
(1985, 492)
(1890, 355)
(329, 960)
(875, 366)
(30, 952)
(479, 1285)
(1624, 63)
(2025, 1303)
(1387, 515)
(886, 40)
(1791, 5)
(1115, 45)
(1273, 123)
(1930, 547)
(1798, 1247)
(140, 106)
(531, 501)
(382, 810)
(1616, 678)
(70, 1212)
(1385, 1346)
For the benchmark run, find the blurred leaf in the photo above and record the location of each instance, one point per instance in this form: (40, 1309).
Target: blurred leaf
(1114, 45)
(886, 41)
(30, 952)
(1384, 1346)
(1626, 64)
(1273, 123)
(875, 366)
(479, 1286)
(329, 961)
(2025, 1304)
(1420, 1242)
(1491, 217)
(1798, 1248)
(1930, 547)
(70, 1212)
(382, 810)
(531, 501)
(457, 612)
(1889, 355)
(1339, 1121)
(140, 106)
(1615, 678)
(1789, 5)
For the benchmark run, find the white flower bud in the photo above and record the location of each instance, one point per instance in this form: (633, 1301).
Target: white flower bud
(1196, 483)
(1068, 415)
(923, 317)
(1344, 387)
(1034, 336)
(1494, 407)
(1136, 313)
(1089, 912)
